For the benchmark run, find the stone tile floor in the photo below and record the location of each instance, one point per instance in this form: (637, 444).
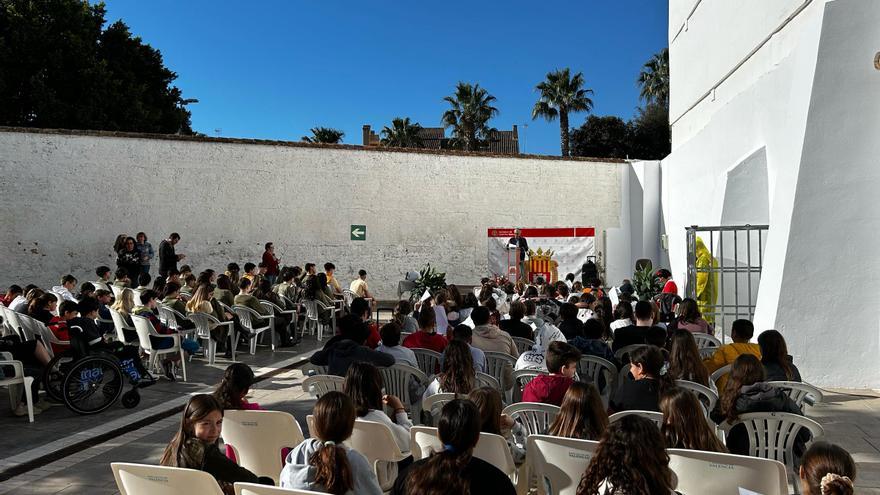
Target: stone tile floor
(851, 419)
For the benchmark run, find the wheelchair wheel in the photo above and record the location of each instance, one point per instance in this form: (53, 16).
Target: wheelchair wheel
(131, 399)
(53, 376)
(93, 384)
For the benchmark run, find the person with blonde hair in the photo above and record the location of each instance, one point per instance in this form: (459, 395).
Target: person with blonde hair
(124, 305)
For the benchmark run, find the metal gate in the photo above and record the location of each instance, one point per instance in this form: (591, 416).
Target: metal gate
(724, 274)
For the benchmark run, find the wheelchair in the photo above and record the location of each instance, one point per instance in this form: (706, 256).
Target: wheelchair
(90, 381)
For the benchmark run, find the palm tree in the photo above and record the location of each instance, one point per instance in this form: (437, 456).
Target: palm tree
(469, 116)
(654, 79)
(324, 135)
(562, 94)
(402, 134)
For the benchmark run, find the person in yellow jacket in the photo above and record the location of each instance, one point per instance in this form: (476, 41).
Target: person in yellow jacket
(741, 332)
(707, 282)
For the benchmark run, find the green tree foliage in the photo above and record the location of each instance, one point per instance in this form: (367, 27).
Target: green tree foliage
(650, 133)
(654, 79)
(402, 134)
(60, 69)
(325, 135)
(601, 137)
(469, 115)
(561, 94)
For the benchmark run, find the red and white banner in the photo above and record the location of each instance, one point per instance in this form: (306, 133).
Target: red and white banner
(569, 248)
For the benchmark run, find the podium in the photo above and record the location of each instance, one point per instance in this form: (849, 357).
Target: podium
(513, 265)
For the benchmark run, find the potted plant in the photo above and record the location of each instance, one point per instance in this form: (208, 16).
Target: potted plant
(429, 279)
(646, 283)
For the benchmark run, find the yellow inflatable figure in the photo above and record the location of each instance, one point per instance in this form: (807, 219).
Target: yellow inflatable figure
(707, 283)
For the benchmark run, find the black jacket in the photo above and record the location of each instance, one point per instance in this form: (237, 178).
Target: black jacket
(517, 329)
(633, 335)
(775, 373)
(760, 397)
(167, 257)
(482, 477)
(637, 395)
(339, 353)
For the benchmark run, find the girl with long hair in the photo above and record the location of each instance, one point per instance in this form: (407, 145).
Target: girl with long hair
(234, 387)
(745, 392)
(195, 445)
(689, 317)
(323, 462)
(488, 401)
(364, 384)
(649, 380)
(827, 469)
(581, 415)
(457, 375)
(775, 358)
(125, 305)
(684, 359)
(684, 422)
(454, 469)
(403, 317)
(623, 316)
(631, 459)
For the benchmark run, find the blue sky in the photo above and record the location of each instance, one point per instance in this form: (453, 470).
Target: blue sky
(273, 69)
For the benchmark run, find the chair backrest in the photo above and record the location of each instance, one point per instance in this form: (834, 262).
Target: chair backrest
(319, 385)
(59, 299)
(140, 479)
(484, 380)
(623, 375)
(707, 396)
(522, 378)
(624, 351)
(143, 327)
(497, 362)
(348, 296)
(117, 291)
(246, 316)
(593, 369)
(204, 323)
(28, 327)
(170, 316)
(801, 393)
(311, 306)
(707, 352)
(558, 463)
(434, 403)
(711, 472)
(309, 369)
(397, 379)
(522, 344)
(535, 417)
(714, 377)
(428, 360)
(258, 437)
(772, 435)
(654, 416)
(425, 440)
(705, 340)
(15, 322)
(254, 489)
(119, 323)
(376, 442)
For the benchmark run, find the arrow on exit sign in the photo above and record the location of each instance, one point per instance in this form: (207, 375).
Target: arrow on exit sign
(358, 232)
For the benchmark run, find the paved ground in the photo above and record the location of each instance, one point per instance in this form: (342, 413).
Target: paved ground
(850, 418)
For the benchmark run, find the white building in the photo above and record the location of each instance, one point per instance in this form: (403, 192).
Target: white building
(775, 114)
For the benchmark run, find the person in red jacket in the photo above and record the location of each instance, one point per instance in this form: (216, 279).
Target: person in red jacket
(562, 359)
(665, 277)
(271, 262)
(58, 325)
(426, 337)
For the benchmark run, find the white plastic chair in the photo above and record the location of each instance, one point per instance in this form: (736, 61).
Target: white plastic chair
(278, 310)
(558, 463)
(591, 368)
(714, 377)
(425, 440)
(707, 352)
(170, 316)
(707, 396)
(654, 416)
(117, 291)
(428, 360)
(309, 369)
(711, 472)
(801, 393)
(623, 375)
(144, 329)
(13, 382)
(319, 385)
(522, 378)
(434, 404)
(119, 323)
(484, 380)
(141, 479)
(36, 328)
(254, 489)
(497, 364)
(204, 324)
(625, 351)
(258, 437)
(313, 321)
(376, 442)
(250, 319)
(523, 345)
(705, 340)
(397, 379)
(535, 417)
(14, 321)
(772, 435)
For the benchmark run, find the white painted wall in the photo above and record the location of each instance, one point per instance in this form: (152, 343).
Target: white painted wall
(68, 196)
(782, 112)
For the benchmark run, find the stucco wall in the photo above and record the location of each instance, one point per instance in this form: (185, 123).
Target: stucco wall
(68, 195)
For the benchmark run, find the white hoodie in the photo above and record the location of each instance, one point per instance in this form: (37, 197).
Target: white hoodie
(545, 333)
